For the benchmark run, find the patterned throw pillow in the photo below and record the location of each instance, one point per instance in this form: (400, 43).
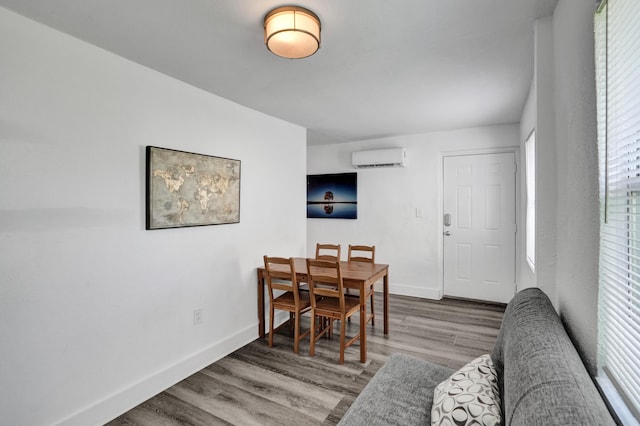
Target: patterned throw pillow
(469, 397)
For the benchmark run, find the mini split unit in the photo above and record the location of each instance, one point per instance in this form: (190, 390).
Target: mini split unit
(393, 157)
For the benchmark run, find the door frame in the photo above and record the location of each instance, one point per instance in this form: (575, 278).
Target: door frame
(515, 150)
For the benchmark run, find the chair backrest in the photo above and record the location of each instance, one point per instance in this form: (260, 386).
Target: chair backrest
(325, 279)
(281, 275)
(362, 253)
(333, 249)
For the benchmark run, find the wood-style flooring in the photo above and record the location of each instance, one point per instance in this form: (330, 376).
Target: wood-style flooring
(258, 385)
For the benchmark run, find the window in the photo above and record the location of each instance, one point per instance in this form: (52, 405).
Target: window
(617, 42)
(530, 161)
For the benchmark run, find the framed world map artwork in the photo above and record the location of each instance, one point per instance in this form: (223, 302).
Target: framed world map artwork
(187, 189)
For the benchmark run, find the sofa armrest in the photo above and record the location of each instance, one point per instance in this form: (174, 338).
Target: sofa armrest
(543, 379)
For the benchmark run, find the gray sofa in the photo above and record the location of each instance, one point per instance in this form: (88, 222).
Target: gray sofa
(541, 378)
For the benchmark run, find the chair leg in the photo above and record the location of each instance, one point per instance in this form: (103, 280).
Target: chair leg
(271, 313)
(343, 330)
(296, 333)
(325, 325)
(312, 339)
(373, 314)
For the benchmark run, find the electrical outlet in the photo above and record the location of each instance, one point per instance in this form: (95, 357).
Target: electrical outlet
(197, 316)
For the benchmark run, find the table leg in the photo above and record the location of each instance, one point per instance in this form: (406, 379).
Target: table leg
(260, 304)
(363, 323)
(386, 303)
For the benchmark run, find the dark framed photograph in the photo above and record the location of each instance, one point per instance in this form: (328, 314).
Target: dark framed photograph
(188, 189)
(332, 196)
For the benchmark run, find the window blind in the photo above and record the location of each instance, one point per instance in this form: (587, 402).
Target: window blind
(617, 43)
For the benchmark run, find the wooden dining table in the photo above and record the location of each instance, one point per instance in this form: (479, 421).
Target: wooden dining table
(355, 275)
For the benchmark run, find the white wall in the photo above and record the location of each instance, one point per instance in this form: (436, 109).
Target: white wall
(388, 199)
(538, 115)
(546, 176)
(577, 157)
(96, 312)
(561, 107)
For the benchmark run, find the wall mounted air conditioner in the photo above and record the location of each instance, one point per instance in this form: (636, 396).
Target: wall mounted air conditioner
(393, 157)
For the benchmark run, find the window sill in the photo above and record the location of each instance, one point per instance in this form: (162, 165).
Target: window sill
(614, 401)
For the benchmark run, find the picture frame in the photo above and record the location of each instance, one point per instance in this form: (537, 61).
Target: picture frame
(332, 196)
(186, 189)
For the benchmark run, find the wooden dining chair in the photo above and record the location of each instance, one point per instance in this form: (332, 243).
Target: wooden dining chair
(328, 301)
(360, 253)
(328, 252)
(280, 274)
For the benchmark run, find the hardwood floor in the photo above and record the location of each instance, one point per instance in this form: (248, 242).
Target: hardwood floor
(258, 385)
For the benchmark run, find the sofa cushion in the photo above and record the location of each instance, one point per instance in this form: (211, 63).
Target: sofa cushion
(469, 397)
(400, 393)
(541, 376)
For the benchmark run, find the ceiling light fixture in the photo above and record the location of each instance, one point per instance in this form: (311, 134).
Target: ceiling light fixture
(292, 32)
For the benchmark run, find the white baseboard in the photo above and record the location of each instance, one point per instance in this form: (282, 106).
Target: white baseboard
(113, 405)
(414, 291)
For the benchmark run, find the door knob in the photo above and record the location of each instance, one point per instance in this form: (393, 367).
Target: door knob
(447, 233)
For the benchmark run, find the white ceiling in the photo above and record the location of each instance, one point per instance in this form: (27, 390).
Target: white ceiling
(384, 68)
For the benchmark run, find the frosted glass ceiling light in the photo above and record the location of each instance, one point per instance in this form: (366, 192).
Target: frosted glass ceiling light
(292, 32)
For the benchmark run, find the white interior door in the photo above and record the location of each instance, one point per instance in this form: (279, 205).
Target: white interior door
(479, 226)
